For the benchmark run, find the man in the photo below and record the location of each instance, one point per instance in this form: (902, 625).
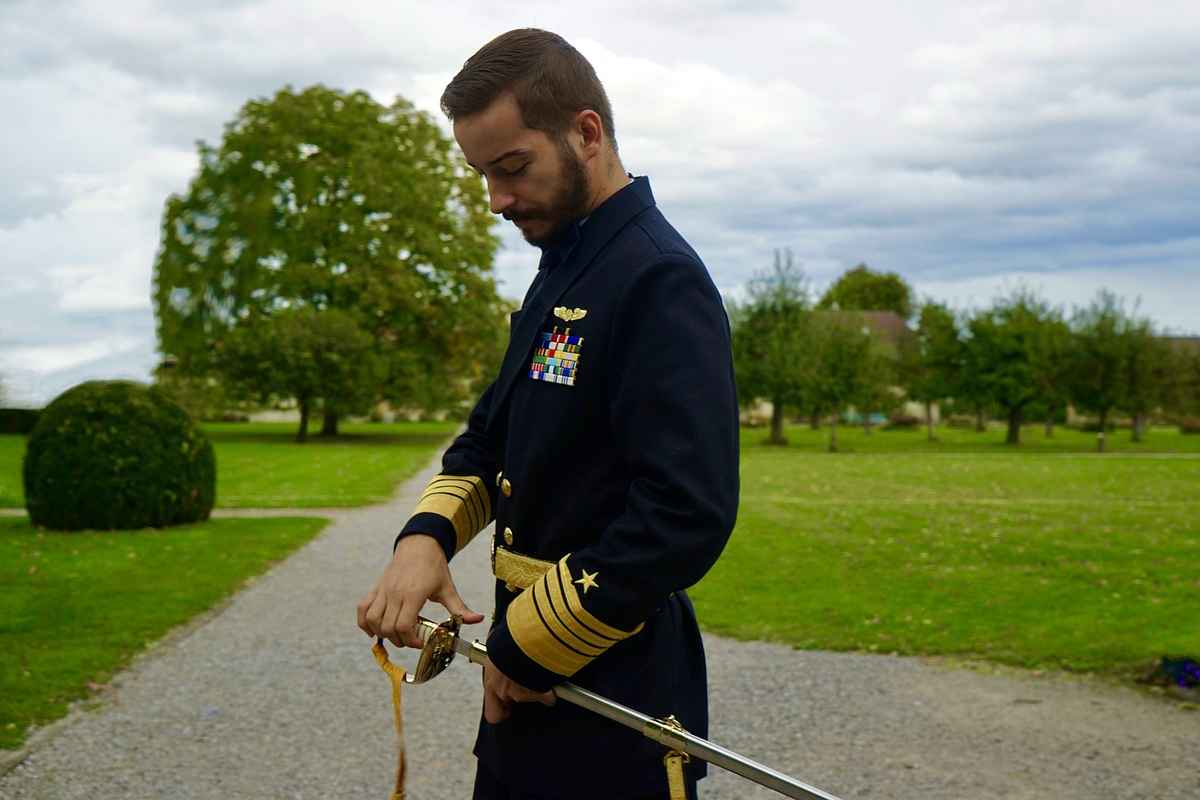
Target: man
(605, 450)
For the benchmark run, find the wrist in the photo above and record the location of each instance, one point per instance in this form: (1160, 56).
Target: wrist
(417, 544)
(427, 525)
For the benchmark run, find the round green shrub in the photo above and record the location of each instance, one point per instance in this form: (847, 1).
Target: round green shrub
(116, 455)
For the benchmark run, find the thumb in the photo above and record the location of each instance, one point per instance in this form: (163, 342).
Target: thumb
(455, 605)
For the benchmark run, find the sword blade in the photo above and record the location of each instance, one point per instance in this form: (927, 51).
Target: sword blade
(664, 734)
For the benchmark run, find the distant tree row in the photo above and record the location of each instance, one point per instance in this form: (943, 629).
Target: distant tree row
(804, 356)
(1021, 354)
(1017, 356)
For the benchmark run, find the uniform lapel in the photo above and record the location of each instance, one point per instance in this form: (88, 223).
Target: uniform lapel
(604, 223)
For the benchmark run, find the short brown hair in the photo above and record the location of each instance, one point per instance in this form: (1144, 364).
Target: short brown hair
(549, 78)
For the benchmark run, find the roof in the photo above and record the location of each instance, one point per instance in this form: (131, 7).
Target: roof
(889, 326)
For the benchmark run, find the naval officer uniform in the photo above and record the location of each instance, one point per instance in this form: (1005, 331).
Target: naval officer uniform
(606, 452)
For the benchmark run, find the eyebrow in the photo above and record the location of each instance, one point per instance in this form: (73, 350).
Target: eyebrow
(519, 151)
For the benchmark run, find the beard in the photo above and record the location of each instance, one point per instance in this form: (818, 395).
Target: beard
(568, 205)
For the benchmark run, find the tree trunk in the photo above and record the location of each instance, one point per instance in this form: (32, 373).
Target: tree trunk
(777, 436)
(1050, 424)
(979, 426)
(814, 420)
(833, 434)
(1103, 430)
(1014, 427)
(329, 426)
(929, 420)
(1139, 426)
(867, 424)
(302, 434)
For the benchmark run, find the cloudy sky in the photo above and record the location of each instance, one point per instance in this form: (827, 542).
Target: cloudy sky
(972, 147)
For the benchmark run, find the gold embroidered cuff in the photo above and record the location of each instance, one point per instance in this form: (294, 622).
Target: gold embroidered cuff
(551, 626)
(462, 499)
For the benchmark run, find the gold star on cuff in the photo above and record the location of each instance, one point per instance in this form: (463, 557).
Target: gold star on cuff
(588, 581)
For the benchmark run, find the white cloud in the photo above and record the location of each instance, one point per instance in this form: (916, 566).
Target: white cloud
(50, 358)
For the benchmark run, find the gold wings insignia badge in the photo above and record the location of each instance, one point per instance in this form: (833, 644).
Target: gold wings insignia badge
(570, 314)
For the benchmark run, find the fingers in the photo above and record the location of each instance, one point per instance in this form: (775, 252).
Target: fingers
(516, 693)
(495, 708)
(507, 691)
(448, 596)
(372, 617)
(363, 606)
(390, 628)
(406, 620)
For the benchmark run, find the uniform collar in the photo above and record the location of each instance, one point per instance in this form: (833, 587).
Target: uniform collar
(605, 220)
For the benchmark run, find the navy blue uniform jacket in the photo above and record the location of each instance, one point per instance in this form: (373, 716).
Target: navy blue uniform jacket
(607, 445)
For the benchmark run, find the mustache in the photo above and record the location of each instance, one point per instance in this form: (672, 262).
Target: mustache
(522, 216)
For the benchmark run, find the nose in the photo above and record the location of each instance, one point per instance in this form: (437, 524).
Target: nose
(500, 199)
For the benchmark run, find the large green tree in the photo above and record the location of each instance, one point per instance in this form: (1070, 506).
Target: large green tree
(771, 340)
(863, 289)
(327, 200)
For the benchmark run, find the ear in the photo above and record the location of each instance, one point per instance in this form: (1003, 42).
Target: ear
(590, 128)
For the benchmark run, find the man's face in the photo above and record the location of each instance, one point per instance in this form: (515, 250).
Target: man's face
(535, 181)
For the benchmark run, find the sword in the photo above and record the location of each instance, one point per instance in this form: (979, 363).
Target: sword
(443, 641)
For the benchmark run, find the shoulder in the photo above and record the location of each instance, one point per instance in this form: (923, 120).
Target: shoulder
(651, 231)
(655, 254)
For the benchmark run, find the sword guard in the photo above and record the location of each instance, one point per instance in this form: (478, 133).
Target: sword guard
(438, 651)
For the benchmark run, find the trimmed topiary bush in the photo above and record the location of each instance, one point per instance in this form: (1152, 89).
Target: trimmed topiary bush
(115, 455)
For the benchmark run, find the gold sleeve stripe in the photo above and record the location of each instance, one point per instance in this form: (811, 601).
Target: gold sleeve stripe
(479, 494)
(556, 621)
(559, 593)
(528, 629)
(581, 615)
(551, 626)
(463, 501)
(464, 495)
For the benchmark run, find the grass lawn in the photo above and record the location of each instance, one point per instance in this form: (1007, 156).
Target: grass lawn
(76, 607)
(260, 466)
(12, 449)
(1047, 556)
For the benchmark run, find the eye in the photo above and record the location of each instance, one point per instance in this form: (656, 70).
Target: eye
(518, 171)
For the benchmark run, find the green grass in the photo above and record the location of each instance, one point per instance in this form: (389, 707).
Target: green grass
(12, 449)
(964, 440)
(76, 607)
(260, 466)
(1038, 557)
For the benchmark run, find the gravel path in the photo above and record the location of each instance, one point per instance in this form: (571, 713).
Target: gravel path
(277, 696)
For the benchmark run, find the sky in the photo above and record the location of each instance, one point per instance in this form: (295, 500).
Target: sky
(973, 147)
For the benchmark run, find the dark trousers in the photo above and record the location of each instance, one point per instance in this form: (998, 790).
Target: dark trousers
(488, 787)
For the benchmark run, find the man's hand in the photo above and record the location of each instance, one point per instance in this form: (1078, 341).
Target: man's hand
(500, 692)
(418, 572)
